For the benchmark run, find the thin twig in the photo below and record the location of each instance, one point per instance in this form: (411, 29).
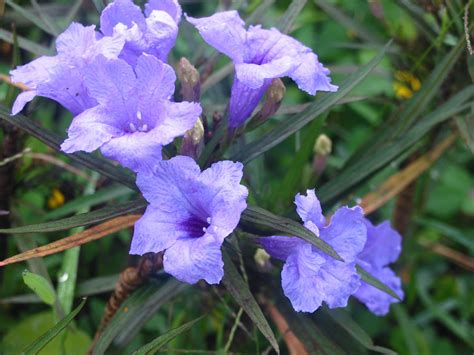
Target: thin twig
(455, 256)
(9, 81)
(233, 330)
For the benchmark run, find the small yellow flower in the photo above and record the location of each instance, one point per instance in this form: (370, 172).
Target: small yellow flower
(405, 85)
(56, 199)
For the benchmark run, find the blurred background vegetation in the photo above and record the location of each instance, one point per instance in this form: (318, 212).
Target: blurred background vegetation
(434, 212)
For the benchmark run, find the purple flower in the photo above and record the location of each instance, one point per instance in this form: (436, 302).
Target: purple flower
(383, 247)
(61, 77)
(309, 276)
(134, 117)
(154, 34)
(259, 56)
(190, 214)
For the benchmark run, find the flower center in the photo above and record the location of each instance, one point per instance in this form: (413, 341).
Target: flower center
(195, 226)
(137, 124)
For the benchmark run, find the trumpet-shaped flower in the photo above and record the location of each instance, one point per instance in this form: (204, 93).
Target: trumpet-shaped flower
(60, 77)
(153, 32)
(134, 117)
(383, 247)
(190, 214)
(309, 276)
(260, 55)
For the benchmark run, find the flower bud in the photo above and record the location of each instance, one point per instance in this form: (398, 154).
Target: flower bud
(322, 148)
(193, 140)
(273, 98)
(190, 81)
(323, 145)
(262, 259)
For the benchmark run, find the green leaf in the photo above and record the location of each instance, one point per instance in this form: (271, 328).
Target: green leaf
(256, 219)
(158, 343)
(139, 307)
(101, 196)
(26, 330)
(289, 17)
(40, 286)
(84, 219)
(352, 25)
(239, 290)
(24, 43)
(99, 5)
(49, 138)
(466, 129)
(42, 341)
(366, 277)
(367, 164)
(31, 16)
(294, 123)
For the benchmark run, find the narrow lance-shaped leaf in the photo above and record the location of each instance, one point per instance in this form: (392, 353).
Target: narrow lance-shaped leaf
(369, 163)
(40, 286)
(289, 17)
(242, 295)
(84, 219)
(52, 140)
(42, 341)
(94, 233)
(366, 277)
(293, 124)
(256, 219)
(158, 343)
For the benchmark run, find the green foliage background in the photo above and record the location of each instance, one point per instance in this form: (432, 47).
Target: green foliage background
(437, 315)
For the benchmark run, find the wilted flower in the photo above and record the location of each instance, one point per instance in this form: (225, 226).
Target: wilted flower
(309, 276)
(383, 247)
(135, 116)
(154, 34)
(259, 56)
(190, 214)
(61, 77)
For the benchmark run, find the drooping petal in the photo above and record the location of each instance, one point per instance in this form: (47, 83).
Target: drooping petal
(346, 233)
(194, 259)
(309, 208)
(155, 80)
(170, 183)
(376, 300)
(243, 101)
(90, 130)
(280, 247)
(224, 31)
(22, 100)
(158, 230)
(161, 34)
(383, 245)
(337, 281)
(138, 151)
(121, 11)
(299, 279)
(171, 7)
(255, 76)
(311, 76)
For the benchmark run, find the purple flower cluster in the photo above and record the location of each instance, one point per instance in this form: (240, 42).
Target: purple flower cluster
(310, 277)
(118, 86)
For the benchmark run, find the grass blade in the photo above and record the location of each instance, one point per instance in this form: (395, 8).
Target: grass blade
(239, 290)
(289, 17)
(369, 163)
(41, 287)
(31, 16)
(136, 311)
(24, 43)
(293, 124)
(102, 166)
(158, 343)
(84, 219)
(366, 277)
(42, 341)
(94, 233)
